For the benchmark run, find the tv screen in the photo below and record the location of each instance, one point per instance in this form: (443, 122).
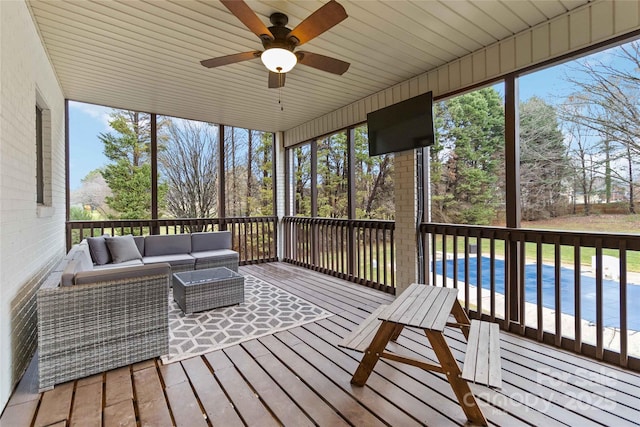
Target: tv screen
(402, 126)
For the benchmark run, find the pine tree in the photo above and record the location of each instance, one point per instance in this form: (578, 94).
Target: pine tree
(129, 173)
(467, 158)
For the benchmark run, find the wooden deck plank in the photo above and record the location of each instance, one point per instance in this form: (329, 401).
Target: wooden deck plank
(184, 406)
(172, 374)
(391, 383)
(55, 405)
(153, 409)
(21, 414)
(121, 414)
(151, 363)
(604, 379)
(89, 380)
(502, 414)
(248, 405)
(118, 386)
(360, 338)
(542, 385)
(87, 405)
(212, 398)
(27, 389)
(316, 289)
(310, 402)
(339, 376)
(359, 295)
(278, 402)
(343, 402)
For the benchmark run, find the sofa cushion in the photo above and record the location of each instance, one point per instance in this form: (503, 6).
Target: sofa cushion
(98, 249)
(217, 254)
(121, 264)
(173, 259)
(83, 257)
(122, 248)
(122, 273)
(209, 241)
(66, 279)
(139, 243)
(167, 244)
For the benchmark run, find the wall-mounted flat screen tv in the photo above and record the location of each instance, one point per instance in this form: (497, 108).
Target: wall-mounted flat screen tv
(402, 126)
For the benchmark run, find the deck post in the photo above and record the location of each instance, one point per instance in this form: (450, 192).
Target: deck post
(221, 181)
(512, 197)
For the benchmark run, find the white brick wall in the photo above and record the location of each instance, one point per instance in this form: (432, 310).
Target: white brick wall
(405, 172)
(31, 238)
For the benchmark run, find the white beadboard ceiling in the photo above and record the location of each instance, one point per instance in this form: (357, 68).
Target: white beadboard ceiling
(144, 55)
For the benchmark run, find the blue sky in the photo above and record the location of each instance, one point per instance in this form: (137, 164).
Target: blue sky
(86, 122)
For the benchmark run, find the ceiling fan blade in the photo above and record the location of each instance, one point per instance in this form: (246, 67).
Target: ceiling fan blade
(318, 22)
(248, 17)
(230, 59)
(324, 63)
(276, 80)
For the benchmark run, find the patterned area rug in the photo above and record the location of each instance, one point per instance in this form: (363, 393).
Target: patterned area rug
(266, 310)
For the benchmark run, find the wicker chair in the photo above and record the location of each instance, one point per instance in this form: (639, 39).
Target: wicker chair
(104, 322)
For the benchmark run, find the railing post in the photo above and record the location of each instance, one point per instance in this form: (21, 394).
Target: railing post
(351, 248)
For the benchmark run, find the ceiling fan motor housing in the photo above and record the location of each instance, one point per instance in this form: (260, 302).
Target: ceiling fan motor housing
(280, 33)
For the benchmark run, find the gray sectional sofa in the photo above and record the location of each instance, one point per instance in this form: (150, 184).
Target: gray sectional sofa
(98, 311)
(182, 251)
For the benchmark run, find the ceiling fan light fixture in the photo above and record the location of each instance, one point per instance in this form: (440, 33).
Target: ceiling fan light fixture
(279, 60)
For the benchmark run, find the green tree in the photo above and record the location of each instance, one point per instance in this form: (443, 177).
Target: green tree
(544, 163)
(129, 173)
(262, 167)
(374, 180)
(332, 176)
(302, 179)
(467, 158)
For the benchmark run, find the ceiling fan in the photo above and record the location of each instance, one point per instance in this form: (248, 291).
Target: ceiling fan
(279, 42)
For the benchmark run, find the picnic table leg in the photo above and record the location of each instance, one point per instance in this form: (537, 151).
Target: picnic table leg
(460, 387)
(397, 331)
(462, 318)
(373, 352)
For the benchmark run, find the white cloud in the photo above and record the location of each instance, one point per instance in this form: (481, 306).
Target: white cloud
(95, 111)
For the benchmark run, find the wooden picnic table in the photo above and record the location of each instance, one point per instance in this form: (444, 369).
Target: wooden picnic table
(429, 308)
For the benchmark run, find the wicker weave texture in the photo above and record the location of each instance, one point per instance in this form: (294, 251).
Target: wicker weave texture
(207, 295)
(87, 329)
(230, 262)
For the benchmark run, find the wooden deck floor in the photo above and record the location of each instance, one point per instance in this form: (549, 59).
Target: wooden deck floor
(300, 377)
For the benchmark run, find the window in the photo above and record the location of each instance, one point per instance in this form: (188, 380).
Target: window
(248, 172)
(302, 180)
(332, 176)
(467, 177)
(374, 180)
(39, 158)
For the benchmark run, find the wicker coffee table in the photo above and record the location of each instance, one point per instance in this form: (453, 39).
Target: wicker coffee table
(209, 288)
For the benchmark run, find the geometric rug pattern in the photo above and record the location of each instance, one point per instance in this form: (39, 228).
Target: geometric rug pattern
(267, 309)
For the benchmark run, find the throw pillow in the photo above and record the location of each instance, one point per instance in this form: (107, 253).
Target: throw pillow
(122, 248)
(98, 248)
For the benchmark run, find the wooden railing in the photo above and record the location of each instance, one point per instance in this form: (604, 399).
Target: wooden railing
(255, 238)
(574, 290)
(361, 251)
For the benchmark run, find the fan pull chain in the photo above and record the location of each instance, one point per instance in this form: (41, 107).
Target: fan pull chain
(280, 91)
